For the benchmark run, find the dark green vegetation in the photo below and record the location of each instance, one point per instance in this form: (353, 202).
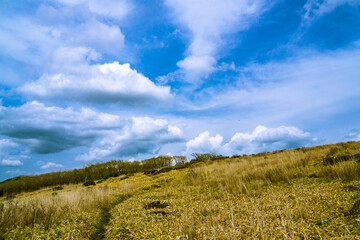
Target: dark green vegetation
(92, 172)
(99, 171)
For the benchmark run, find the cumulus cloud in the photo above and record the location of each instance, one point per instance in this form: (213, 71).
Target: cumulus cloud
(140, 136)
(199, 66)
(43, 129)
(48, 129)
(51, 165)
(205, 143)
(260, 140)
(72, 60)
(268, 139)
(208, 21)
(11, 163)
(107, 83)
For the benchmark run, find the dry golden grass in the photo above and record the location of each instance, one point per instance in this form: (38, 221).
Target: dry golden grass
(62, 212)
(304, 209)
(345, 171)
(281, 195)
(250, 173)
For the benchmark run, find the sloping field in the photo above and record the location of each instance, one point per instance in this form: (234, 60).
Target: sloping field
(290, 194)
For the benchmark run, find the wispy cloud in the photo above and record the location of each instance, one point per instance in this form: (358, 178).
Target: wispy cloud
(116, 9)
(11, 152)
(11, 163)
(319, 84)
(353, 135)
(207, 22)
(33, 40)
(316, 8)
(51, 165)
(7, 143)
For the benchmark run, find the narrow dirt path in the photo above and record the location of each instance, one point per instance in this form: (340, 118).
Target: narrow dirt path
(105, 216)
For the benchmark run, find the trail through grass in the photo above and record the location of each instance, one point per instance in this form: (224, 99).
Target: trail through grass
(105, 216)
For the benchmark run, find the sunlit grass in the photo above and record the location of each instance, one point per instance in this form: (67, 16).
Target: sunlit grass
(48, 211)
(282, 195)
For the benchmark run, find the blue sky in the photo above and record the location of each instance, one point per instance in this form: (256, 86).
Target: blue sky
(86, 81)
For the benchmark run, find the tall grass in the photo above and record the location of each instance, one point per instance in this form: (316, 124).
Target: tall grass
(238, 176)
(46, 210)
(249, 173)
(345, 171)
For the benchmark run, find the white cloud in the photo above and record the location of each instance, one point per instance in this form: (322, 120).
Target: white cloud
(43, 129)
(12, 163)
(51, 129)
(33, 40)
(72, 60)
(12, 171)
(26, 41)
(7, 143)
(204, 143)
(208, 21)
(139, 136)
(51, 165)
(305, 88)
(97, 35)
(260, 140)
(267, 139)
(117, 9)
(198, 66)
(11, 152)
(131, 160)
(316, 8)
(107, 83)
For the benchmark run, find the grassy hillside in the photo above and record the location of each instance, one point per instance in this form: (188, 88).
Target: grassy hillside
(290, 194)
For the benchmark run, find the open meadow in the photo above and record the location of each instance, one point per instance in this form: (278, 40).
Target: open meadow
(287, 194)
